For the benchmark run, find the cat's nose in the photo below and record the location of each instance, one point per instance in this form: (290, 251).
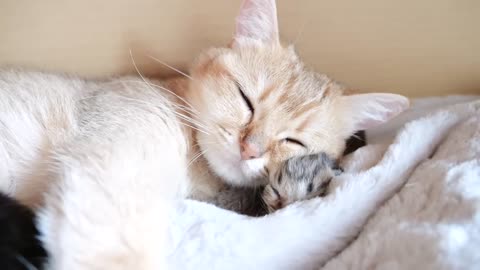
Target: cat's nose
(249, 151)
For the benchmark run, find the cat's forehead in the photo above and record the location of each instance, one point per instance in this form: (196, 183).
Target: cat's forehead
(276, 78)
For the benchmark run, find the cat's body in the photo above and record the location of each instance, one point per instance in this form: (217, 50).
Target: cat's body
(106, 162)
(242, 200)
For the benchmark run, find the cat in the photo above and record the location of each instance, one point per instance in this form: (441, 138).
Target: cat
(298, 178)
(105, 162)
(20, 249)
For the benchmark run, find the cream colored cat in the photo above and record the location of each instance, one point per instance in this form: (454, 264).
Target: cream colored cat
(111, 158)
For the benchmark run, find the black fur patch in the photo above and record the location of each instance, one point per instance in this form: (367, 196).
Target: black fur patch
(19, 246)
(357, 140)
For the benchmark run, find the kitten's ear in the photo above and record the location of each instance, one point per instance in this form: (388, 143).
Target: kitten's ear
(368, 110)
(256, 21)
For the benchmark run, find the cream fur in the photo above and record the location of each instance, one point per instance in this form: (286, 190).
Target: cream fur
(107, 162)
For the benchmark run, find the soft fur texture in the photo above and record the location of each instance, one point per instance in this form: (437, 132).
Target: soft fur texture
(209, 238)
(434, 221)
(107, 162)
(299, 178)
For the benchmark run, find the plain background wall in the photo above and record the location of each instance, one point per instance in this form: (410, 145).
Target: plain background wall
(414, 47)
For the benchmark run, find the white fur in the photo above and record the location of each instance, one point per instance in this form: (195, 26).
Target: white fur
(113, 160)
(305, 235)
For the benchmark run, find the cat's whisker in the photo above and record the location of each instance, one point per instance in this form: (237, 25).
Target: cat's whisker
(159, 86)
(192, 119)
(149, 83)
(195, 121)
(174, 94)
(197, 156)
(184, 117)
(138, 71)
(170, 67)
(197, 126)
(190, 107)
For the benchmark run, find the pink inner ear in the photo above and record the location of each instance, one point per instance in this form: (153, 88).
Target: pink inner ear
(370, 110)
(257, 20)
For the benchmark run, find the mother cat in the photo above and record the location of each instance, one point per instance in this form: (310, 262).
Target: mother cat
(104, 162)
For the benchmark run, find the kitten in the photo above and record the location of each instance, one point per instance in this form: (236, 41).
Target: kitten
(20, 249)
(299, 178)
(130, 148)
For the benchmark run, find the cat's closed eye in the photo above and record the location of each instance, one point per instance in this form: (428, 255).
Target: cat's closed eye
(294, 141)
(310, 187)
(246, 99)
(276, 192)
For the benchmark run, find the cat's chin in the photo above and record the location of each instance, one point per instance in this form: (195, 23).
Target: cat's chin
(235, 171)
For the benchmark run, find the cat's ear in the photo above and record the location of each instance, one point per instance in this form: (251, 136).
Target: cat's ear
(257, 21)
(365, 111)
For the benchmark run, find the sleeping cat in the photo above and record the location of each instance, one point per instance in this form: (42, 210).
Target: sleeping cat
(105, 162)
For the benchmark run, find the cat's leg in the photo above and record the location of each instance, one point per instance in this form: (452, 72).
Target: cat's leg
(305, 235)
(117, 181)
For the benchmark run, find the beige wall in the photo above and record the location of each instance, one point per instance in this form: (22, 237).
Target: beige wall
(415, 47)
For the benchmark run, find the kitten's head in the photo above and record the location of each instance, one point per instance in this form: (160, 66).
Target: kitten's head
(261, 106)
(299, 178)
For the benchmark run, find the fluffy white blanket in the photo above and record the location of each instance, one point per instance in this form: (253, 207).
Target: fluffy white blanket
(432, 222)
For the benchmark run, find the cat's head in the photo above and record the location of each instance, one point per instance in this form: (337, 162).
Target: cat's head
(261, 106)
(299, 178)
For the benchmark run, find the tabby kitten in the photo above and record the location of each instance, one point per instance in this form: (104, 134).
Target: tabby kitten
(297, 179)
